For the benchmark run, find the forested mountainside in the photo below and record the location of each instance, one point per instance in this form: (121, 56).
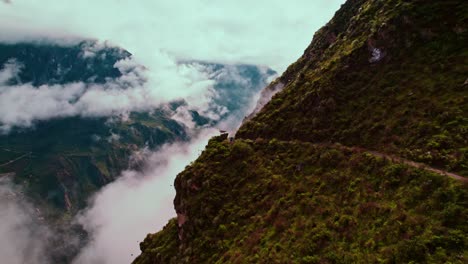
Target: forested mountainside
(359, 157)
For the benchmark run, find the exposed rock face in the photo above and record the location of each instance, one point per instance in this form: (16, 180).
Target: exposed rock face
(181, 219)
(311, 179)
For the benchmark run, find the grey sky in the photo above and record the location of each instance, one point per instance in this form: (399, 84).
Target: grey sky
(272, 33)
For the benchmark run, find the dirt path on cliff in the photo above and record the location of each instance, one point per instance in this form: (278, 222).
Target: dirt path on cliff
(418, 165)
(13, 160)
(410, 163)
(393, 158)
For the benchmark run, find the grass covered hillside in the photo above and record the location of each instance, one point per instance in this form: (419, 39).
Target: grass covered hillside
(385, 75)
(294, 202)
(360, 158)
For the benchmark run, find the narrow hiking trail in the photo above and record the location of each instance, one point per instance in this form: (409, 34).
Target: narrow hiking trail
(13, 160)
(410, 163)
(418, 165)
(393, 158)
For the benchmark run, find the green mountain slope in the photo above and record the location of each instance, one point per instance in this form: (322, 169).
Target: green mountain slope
(294, 202)
(411, 102)
(326, 172)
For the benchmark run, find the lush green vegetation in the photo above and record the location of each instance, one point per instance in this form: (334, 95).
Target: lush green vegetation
(412, 103)
(292, 202)
(382, 75)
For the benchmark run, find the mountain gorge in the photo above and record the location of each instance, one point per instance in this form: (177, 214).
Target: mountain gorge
(349, 162)
(60, 159)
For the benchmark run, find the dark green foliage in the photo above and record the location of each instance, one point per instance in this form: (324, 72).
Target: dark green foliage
(413, 102)
(162, 246)
(305, 203)
(240, 150)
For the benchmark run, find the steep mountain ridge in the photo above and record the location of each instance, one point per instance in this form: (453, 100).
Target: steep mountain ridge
(393, 79)
(311, 177)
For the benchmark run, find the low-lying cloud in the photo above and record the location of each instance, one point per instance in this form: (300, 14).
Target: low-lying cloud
(117, 219)
(137, 89)
(137, 203)
(20, 230)
(205, 88)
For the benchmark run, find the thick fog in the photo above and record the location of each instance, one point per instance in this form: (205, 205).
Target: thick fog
(22, 236)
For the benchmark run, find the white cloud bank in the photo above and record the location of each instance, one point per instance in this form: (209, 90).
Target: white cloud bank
(19, 230)
(118, 218)
(137, 203)
(136, 90)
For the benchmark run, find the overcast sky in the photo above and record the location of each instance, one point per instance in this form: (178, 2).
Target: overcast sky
(159, 34)
(273, 33)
